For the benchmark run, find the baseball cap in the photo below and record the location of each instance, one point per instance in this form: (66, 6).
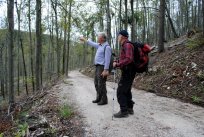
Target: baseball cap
(124, 33)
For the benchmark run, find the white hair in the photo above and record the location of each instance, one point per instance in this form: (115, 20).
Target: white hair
(103, 34)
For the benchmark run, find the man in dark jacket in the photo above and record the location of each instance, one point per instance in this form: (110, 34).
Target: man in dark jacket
(126, 64)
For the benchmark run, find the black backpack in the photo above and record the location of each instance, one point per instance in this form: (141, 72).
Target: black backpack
(141, 59)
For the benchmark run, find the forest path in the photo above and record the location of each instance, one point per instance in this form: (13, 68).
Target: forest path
(154, 116)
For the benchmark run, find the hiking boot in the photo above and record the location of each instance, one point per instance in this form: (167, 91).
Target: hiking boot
(95, 101)
(102, 102)
(121, 114)
(130, 111)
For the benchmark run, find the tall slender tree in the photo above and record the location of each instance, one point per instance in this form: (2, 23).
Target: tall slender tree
(133, 21)
(108, 22)
(161, 25)
(68, 37)
(54, 4)
(10, 16)
(1, 71)
(38, 64)
(203, 14)
(126, 15)
(31, 45)
(20, 44)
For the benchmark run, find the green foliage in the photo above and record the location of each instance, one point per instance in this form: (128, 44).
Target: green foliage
(24, 113)
(22, 128)
(195, 43)
(200, 76)
(65, 111)
(52, 130)
(1, 135)
(196, 99)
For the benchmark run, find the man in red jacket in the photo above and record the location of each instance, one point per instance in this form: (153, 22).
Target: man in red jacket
(126, 64)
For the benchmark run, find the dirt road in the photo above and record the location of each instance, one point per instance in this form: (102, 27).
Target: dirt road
(154, 116)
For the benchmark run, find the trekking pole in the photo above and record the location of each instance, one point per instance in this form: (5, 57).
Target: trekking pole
(114, 88)
(114, 91)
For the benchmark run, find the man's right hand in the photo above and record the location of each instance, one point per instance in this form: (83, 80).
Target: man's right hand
(114, 64)
(83, 39)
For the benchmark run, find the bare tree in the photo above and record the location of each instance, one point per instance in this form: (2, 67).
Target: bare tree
(20, 44)
(161, 25)
(68, 38)
(126, 15)
(108, 22)
(31, 45)
(10, 16)
(38, 64)
(171, 22)
(133, 21)
(203, 14)
(58, 48)
(1, 71)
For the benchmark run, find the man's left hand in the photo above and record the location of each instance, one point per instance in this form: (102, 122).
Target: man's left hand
(105, 73)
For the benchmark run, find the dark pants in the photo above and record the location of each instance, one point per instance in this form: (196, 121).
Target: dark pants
(100, 84)
(124, 94)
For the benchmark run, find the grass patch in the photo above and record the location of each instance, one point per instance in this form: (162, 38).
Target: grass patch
(22, 129)
(65, 111)
(196, 99)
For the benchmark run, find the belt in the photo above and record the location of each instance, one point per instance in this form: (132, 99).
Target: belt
(98, 65)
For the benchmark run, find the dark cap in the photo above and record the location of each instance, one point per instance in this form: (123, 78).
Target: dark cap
(124, 33)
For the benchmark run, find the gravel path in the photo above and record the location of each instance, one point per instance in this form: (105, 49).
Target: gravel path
(154, 116)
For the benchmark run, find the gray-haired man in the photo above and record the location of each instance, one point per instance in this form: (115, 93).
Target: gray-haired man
(102, 62)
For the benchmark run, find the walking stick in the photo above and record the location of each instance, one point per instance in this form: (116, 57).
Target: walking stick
(114, 90)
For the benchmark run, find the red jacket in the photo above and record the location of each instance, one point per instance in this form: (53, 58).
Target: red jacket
(126, 54)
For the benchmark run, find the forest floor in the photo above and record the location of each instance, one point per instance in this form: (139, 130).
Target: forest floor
(41, 115)
(154, 116)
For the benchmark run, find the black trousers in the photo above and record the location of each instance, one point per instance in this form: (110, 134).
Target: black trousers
(124, 94)
(100, 84)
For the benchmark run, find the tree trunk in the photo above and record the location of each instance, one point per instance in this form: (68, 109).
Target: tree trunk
(68, 37)
(133, 21)
(199, 14)
(92, 49)
(144, 23)
(6, 72)
(171, 22)
(1, 71)
(58, 49)
(31, 46)
(108, 23)
(120, 18)
(203, 14)
(10, 16)
(24, 65)
(126, 16)
(18, 47)
(161, 26)
(65, 42)
(187, 16)
(101, 27)
(20, 44)
(38, 45)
